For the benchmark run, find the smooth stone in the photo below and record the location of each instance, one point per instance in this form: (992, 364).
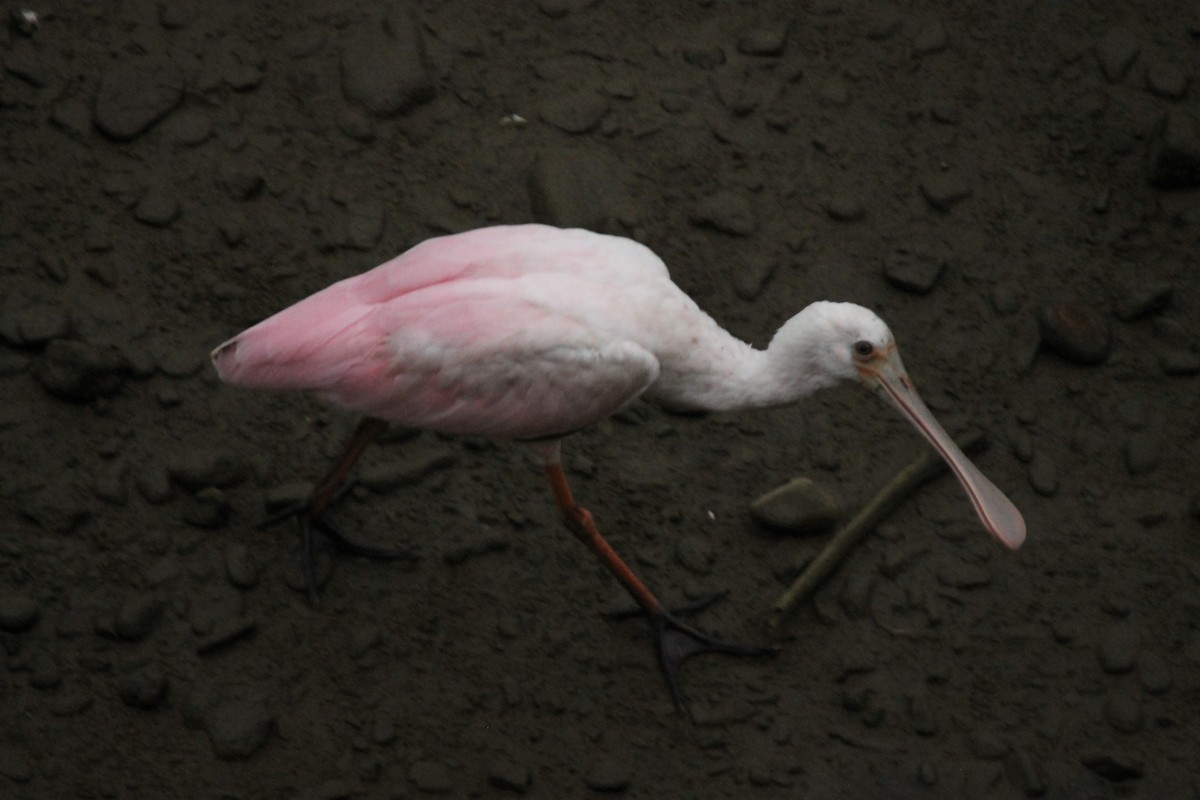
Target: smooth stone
(695, 553)
(18, 612)
(1179, 363)
(1166, 80)
(383, 68)
(1174, 153)
(845, 207)
(200, 467)
(1141, 299)
(1124, 712)
(144, 688)
(607, 774)
(134, 94)
(1116, 769)
(577, 187)
(762, 41)
(1119, 648)
(510, 776)
(237, 729)
(1143, 452)
(800, 506)
(945, 189)
(913, 272)
(137, 617)
(78, 371)
(1075, 332)
(930, 38)
(1116, 51)
(1043, 474)
(431, 777)
(1154, 673)
(963, 575)
(241, 568)
(726, 212)
(574, 112)
(159, 207)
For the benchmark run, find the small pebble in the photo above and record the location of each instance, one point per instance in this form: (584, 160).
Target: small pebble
(845, 207)
(913, 272)
(1124, 712)
(1142, 299)
(1153, 672)
(510, 776)
(929, 39)
(237, 729)
(1025, 773)
(1166, 80)
(695, 553)
(764, 41)
(1118, 649)
(383, 67)
(1043, 474)
(800, 506)
(138, 617)
(1143, 452)
(1116, 51)
(79, 372)
(945, 189)
(431, 777)
(1179, 363)
(1075, 332)
(963, 575)
(18, 612)
(1116, 769)
(726, 212)
(144, 688)
(607, 775)
(241, 568)
(575, 112)
(196, 468)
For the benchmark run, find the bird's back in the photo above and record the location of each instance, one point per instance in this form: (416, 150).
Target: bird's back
(514, 331)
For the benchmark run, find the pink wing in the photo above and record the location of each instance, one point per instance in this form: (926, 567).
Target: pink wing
(497, 356)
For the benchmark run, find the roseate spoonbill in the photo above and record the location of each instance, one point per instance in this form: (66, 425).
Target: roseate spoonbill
(530, 333)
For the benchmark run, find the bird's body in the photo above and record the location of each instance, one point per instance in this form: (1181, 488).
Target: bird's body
(515, 332)
(531, 333)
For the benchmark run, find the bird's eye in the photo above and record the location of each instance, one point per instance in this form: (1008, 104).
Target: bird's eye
(863, 349)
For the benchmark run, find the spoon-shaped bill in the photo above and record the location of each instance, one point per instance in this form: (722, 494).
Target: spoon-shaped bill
(996, 511)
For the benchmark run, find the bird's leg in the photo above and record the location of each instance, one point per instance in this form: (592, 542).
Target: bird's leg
(677, 641)
(310, 513)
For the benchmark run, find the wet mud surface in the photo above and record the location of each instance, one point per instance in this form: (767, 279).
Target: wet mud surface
(1011, 186)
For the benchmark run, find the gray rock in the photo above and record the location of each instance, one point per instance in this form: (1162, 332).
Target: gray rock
(511, 776)
(1119, 648)
(1116, 51)
(134, 94)
(1166, 80)
(1124, 712)
(799, 506)
(727, 212)
(763, 40)
(845, 206)
(137, 617)
(383, 68)
(1075, 332)
(79, 371)
(913, 272)
(241, 568)
(574, 112)
(158, 207)
(237, 729)
(416, 467)
(197, 468)
(431, 777)
(144, 688)
(607, 774)
(1143, 452)
(945, 189)
(695, 553)
(578, 187)
(1174, 153)
(1141, 299)
(18, 612)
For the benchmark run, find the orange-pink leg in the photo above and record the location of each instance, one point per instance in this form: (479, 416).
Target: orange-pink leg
(311, 513)
(677, 641)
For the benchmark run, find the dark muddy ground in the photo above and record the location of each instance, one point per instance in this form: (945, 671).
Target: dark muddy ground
(174, 171)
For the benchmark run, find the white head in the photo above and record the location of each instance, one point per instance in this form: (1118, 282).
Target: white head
(831, 342)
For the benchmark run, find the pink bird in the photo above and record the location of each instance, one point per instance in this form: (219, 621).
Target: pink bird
(530, 333)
